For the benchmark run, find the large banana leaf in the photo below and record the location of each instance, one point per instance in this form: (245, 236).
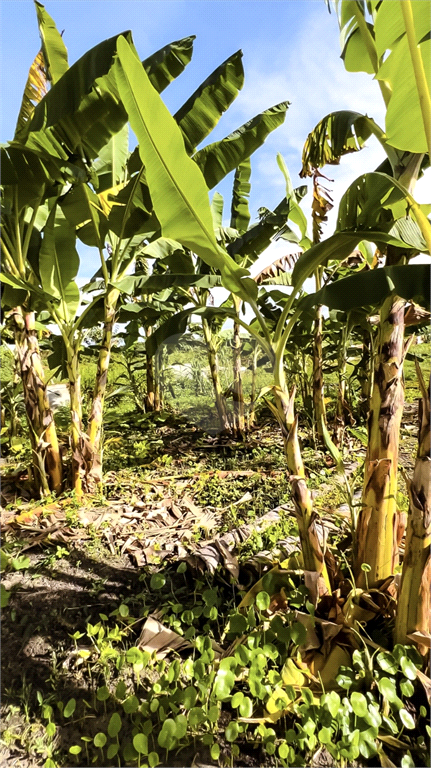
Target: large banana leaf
(240, 212)
(110, 164)
(176, 325)
(137, 285)
(337, 247)
(59, 263)
(377, 201)
(404, 119)
(202, 111)
(83, 108)
(354, 49)
(371, 287)
(81, 207)
(259, 236)
(218, 159)
(170, 61)
(336, 135)
(35, 173)
(53, 48)
(296, 214)
(178, 191)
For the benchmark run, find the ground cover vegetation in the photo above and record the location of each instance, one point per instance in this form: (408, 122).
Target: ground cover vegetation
(216, 551)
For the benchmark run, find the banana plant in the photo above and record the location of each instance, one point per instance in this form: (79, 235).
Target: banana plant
(391, 41)
(50, 156)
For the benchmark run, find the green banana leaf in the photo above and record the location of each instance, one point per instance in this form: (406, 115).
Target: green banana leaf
(337, 247)
(83, 108)
(35, 173)
(59, 263)
(81, 207)
(404, 121)
(259, 236)
(202, 111)
(178, 191)
(137, 285)
(110, 164)
(176, 325)
(23, 285)
(217, 204)
(169, 62)
(354, 51)
(218, 159)
(240, 212)
(371, 287)
(375, 200)
(53, 48)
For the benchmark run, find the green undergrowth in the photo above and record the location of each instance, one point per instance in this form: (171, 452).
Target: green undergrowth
(249, 705)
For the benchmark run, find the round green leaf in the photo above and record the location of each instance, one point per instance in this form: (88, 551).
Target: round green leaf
(181, 722)
(232, 731)
(283, 751)
(102, 693)
(223, 684)
(407, 762)
(131, 704)
(215, 751)
(236, 699)
(99, 740)
(246, 707)
(189, 697)
(112, 751)
(153, 759)
(359, 704)
(325, 735)
(196, 716)
(140, 742)
(123, 610)
(406, 719)
(157, 581)
(387, 662)
(69, 708)
(238, 623)
(387, 688)
(262, 601)
(114, 725)
(50, 729)
(75, 750)
(213, 714)
(298, 633)
(134, 656)
(407, 688)
(166, 738)
(408, 667)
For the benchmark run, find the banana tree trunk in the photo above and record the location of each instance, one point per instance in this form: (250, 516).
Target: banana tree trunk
(340, 408)
(318, 387)
(252, 408)
(85, 463)
(149, 396)
(215, 378)
(237, 392)
(306, 517)
(157, 382)
(413, 607)
(48, 470)
(95, 420)
(378, 520)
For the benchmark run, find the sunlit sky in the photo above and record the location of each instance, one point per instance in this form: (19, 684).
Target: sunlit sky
(291, 52)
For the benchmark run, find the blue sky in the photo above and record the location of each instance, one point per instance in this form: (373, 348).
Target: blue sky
(291, 52)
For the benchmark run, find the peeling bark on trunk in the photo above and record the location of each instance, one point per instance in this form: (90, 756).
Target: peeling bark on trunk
(378, 518)
(215, 378)
(237, 391)
(413, 609)
(48, 471)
